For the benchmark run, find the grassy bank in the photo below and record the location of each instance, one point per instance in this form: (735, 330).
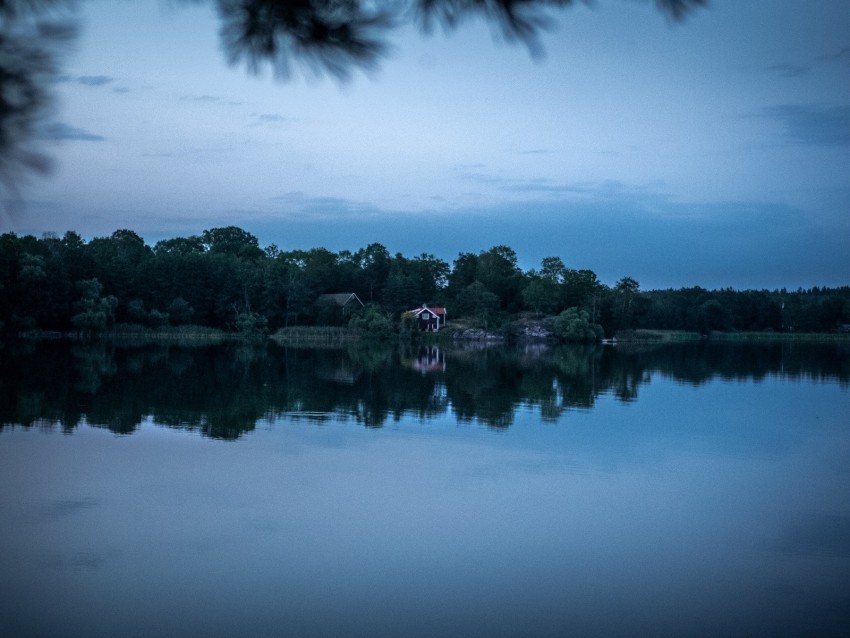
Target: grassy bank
(657, 336)
(674, 336)
(820, 337)
(317, 336)
(136, 333)
(180, 335)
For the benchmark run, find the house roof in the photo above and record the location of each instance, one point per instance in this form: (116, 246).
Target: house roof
(339, 298)
(437, 310)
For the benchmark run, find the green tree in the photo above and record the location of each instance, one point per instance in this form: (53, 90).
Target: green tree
(582, 289)
(32, 278)
(374, 263)
(180, 311)
(137, 313)
(574, 325)
(478, 302)
(464, 272)
(119, 263)
(540, 295)
(251, 324)
(432, 274)
(193, 245)
(95, 313)
(233, 241)
(544, 290)
(500, 274)
(553, 270)
(713, 316)
(401, 291)
(321, 270)
(289, 280)
(625, 294)
(373, 321)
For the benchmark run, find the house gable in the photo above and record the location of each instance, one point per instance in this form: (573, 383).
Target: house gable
(340, 299)
(335, 309)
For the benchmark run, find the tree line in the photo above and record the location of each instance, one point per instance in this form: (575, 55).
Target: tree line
(224, 279)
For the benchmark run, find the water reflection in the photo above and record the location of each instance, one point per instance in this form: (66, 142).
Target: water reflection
(428, 359)
(652, 507)
(223, 391)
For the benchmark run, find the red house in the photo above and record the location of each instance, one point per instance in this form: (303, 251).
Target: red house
(431, 319)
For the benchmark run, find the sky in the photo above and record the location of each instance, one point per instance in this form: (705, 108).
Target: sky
(711, 152)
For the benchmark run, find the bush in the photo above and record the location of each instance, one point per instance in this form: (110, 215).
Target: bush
(251, 324)
(574, 325)
(372, 321)
(408, 326)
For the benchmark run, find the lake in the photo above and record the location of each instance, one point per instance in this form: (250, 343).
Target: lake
(693, 489)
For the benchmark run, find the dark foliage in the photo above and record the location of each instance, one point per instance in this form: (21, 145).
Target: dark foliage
(33, 35)
(224, 279)
(338, 36)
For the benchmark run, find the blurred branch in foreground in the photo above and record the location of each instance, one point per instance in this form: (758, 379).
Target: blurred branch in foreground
(340, 36)
(335, 37)
(32, 39)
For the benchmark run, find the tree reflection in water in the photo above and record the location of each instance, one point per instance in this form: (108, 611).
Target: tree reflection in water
(223, 391)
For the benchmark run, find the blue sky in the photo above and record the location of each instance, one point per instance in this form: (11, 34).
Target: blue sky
(713, 152)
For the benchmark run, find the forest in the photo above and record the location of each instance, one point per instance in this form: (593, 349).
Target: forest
(224, 279)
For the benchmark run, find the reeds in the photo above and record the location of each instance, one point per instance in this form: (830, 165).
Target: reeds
(179, 335)
(317, 336)
(657, 336)
(821, 337)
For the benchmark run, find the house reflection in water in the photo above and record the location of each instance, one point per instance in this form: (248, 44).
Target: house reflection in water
(429, 359)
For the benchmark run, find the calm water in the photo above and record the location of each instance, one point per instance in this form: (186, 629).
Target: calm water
(219, 491)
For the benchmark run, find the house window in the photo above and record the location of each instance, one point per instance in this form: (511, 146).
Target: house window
(426, 315)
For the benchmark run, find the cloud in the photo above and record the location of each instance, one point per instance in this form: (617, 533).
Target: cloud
(838, 56)
(267, 119)
(790, 70)
(534, 151)
(270, 117)
(86, 80)
(211, 99)
(91, 81)
(543, 185)
(603, 191)
(59, 509)
(62, 131)
(484, 178)
(203, 153)
(94, 80)
(812, 125)
(298, 206)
